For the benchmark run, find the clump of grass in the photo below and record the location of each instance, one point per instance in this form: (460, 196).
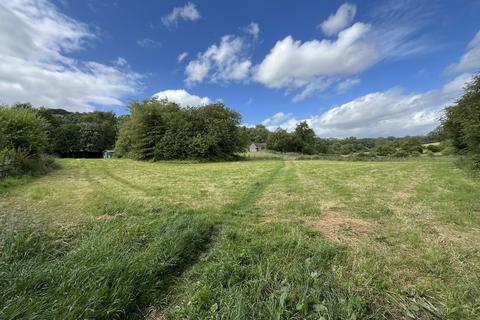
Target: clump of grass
(113, 268)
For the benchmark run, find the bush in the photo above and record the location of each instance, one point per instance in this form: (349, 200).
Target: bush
(17, 162)
(23, 140)
(385, 150)
(434, 148)
(448, 151)
(400, 153)
(23, 130)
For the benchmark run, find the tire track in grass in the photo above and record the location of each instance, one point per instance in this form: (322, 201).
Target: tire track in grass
(246, 204)
(128, 184)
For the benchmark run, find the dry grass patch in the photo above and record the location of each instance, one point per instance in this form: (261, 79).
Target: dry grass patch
(335, 228)
(342, 229)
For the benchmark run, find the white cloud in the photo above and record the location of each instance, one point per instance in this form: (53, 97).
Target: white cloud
(182, 56)
(470, 60)
(347, 84)
(253, 29)
(148, 43)
(386, 113)
(35, 67)
(188, 12)
(305, 67)
(397, 28)
(340, 20)
(121, 62)
(182, 97)
(319, 84)
(277, 119)
(293, 64)
(220, 63)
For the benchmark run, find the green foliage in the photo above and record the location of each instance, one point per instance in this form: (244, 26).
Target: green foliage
(305, 138)
(79, 134)
(23, 140)
(302, 140)
(411, 145)
(461, 122)
(160, 130)
(281, 141)
(385, 149)
(434, 148)
(258, 134)
(22, 129)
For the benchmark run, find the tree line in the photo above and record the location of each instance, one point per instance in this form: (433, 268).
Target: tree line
(162, 130)
(303, 140)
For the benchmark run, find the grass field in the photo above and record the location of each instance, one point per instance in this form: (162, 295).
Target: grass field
(271, 239)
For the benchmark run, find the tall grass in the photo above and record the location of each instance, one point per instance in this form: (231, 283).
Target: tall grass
(113, 268)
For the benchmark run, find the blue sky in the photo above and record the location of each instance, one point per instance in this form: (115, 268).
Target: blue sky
(362, 68)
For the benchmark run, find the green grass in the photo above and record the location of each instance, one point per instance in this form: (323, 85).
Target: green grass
(272, 239)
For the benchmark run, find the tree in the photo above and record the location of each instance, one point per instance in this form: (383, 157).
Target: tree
(258, 134)
(280, 140)
(159, 130)
(305, 137)
(461, 122)
(82, 134)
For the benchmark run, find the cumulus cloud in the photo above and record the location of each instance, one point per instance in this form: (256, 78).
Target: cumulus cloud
(182, 97)
(293, 64)
(347, 84)
(470, 60)
(220, 63)
(277, 119)
(305, 67)
(386, 113)
(188, 12)
(340, 20)
(252, 29)
(182, 56)
(35, 65)
(148, 43)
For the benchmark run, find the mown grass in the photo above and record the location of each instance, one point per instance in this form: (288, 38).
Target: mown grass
(273, 239)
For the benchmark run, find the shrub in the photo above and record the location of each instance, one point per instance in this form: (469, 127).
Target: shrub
(448, 151)
(434, 148)
(23, 140)
(22, 129)
(400, 153)
(385, 150)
